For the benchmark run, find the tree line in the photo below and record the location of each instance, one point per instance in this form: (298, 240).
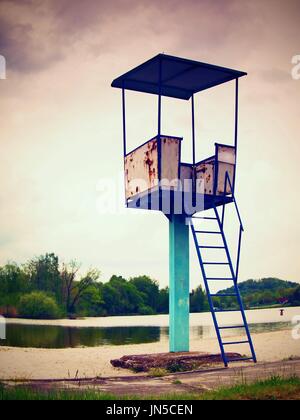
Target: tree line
(265, 292)
(46, 288)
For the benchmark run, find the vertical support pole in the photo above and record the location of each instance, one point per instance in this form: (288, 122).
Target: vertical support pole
(159, 98)
(194, 153)
(159, 119)
(179, 284)
(124, 121)
(236, 112)
(124, 134)
(236, 119)
(216, 169)
(193, 131)
(159, 146)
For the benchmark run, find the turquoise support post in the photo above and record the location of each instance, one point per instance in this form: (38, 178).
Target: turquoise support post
(179, 284)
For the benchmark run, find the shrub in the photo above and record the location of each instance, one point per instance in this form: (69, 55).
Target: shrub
(38, 305)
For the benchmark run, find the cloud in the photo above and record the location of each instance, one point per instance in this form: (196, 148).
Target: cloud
(26, 36)
(78, 16)
(34, 35)
(22, 52)
(275, 75)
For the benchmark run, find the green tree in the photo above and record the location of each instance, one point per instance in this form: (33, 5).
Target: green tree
(13, 282)
(38, 305)
(73, 290)
(122, 297)
(91, 302)
(295, 297)
(112, 299)
(149, 291)
(44, 275)
(163, 301)
(198, 300)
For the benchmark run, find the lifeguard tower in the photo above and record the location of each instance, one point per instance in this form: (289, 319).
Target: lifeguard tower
(157, 179)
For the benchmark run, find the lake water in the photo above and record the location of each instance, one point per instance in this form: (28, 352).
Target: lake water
(92, 332)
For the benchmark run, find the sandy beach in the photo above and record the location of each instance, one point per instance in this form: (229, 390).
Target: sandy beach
(35, 363)
(19, 363)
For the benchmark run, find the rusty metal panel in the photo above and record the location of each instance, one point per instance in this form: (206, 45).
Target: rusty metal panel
(223, 168)
(186, 176)
(170, 160)
(226, 163)
(141, 169)
(226, 154)
(205, 177)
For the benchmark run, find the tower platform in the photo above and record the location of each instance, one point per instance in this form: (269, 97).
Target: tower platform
(176, 202)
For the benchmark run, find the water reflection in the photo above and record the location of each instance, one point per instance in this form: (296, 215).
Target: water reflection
(55, 337)
(209, 331)
(51, 337)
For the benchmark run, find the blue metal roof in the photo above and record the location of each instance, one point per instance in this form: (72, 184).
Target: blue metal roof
(180, 78)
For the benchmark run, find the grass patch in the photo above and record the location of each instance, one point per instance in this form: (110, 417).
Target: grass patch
(158, 372)
(21, 393)
(291, 358)
(275, 388)
(177, 382)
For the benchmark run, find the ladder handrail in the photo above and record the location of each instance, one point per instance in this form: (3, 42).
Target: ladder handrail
(241, 230)
(227, 178)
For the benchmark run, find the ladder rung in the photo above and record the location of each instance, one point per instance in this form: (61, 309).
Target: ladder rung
(211, 247)
(208, 231)
(232, 327)
(219, 278)
(240, 359)
(224, 295)
(235, 342)
(216, 263)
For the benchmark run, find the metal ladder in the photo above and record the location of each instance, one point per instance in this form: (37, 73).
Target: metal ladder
(233, 277)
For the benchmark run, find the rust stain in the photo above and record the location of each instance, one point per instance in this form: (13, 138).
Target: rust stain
(149, 160)
(202, 169)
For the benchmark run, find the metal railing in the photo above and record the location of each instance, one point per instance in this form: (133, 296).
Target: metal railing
(241, 228)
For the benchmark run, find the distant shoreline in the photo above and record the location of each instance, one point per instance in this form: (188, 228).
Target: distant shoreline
(271, 315)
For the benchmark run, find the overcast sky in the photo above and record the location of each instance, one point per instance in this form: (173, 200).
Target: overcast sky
(61, 126)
